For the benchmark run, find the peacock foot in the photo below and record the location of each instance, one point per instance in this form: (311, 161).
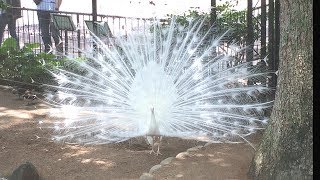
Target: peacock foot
(152, 151)
(158, 153)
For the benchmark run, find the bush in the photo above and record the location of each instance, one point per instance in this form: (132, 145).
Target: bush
(227, 19)
(24, 66)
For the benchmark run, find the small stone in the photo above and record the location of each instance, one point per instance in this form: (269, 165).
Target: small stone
(2, 178)
(196, 148)
(155, 168)
(183, 155)
(207, 144)
(167, 161)
(26, 171)
(146, 176)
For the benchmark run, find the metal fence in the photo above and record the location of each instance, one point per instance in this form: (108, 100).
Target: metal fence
(27, 29)
(79, 39)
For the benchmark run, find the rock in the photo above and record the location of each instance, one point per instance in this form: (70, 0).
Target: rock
(19, 91)
(2, 178)
(26, 171)
(207, 144)
(196, 148)
(167, 161)
(182, 155)
(146, 176)
(154, 168)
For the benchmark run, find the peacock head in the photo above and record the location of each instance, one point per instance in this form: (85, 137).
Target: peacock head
(153, 116)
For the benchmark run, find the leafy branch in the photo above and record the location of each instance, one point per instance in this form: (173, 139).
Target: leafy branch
(227, 19)
(23, 65)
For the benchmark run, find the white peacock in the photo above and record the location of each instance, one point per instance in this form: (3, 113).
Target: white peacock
(166, 82)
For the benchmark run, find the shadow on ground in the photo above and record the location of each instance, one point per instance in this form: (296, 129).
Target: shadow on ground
(22, 140)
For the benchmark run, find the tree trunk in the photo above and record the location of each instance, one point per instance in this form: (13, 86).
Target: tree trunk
(287, 146)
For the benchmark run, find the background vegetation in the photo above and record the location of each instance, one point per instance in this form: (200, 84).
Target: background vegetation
(227, 19)
(23, 66)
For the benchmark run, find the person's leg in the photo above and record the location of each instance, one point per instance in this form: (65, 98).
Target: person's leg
(3, 23)
(56, 37)
(44, 24)
(12, 30)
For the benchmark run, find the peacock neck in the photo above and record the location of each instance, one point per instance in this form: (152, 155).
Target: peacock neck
(153, 125)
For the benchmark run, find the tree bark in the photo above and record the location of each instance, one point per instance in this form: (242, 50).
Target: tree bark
(286, 151)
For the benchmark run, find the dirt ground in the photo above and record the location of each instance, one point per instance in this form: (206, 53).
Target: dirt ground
(22, 140)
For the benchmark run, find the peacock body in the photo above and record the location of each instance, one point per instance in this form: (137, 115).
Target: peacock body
(166, 82)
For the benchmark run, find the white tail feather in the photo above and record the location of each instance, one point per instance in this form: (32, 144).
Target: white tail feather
(195, 95)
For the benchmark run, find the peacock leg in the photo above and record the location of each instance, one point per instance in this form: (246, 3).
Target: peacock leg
(158, 152)
(152, 145)
(152, 151)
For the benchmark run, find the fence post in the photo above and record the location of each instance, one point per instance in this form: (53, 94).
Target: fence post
(94, 12)
(249, 42)
(213, 12)
(94, 20)
(66, 42)
(271, 44)
(276, 36)
(263, 29)
(78, 35)
(249, 51)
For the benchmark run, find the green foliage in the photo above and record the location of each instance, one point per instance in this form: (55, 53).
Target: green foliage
(3, 5)
(23, 65)
(230, 19)
(227, 19)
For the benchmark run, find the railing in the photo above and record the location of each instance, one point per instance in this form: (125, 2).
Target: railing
(74, 41)
(28, 29)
